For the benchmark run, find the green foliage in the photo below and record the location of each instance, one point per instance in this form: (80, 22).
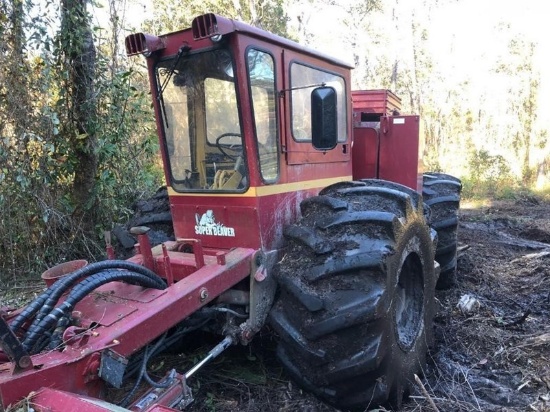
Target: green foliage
(487, 167)
(78, 142)
(488, 176)
(431, 161)
(127, 167)
(38, 160)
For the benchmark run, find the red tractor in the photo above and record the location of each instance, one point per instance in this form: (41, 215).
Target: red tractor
(294, 201)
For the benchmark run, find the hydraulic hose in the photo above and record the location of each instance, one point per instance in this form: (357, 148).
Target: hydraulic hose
(80, 291)
(64, 321)
(56, 337)
(143, 369)
(135, 364)
(98, 279)
(45, 302)
(41, 343)
(66, 283)
(148, 355)
(29, 311)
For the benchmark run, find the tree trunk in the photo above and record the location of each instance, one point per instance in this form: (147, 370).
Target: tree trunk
(80, 60)
(15, 72)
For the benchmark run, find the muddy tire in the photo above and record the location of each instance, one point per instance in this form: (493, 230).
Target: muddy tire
(355, 308)
(153, 213)
(441, 194)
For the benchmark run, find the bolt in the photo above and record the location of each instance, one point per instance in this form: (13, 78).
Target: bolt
(25, 362)
(203, 294)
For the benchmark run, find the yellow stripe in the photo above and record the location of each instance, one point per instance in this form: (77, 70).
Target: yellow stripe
(258, 191)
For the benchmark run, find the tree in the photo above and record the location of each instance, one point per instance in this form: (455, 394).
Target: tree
(77, 56)
(523, 83)
(170, 15)
(14, 80)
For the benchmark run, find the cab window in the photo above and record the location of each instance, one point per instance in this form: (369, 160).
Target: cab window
(202, 130)
(261, 75)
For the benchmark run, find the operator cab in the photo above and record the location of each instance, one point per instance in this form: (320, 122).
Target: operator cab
(249, 124)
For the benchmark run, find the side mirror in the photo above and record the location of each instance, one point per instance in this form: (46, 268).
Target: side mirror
(324, 119)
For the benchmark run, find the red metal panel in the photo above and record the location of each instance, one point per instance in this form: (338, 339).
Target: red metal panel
(51, 400)
(131, 292)
(399, 150)
(365, 153)
(52, 369)
(217, 222)
(181, 264)
(92, 310)
(382, 102)
(256, 217)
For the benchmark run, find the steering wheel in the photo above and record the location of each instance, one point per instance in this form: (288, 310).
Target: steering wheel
(237, 148)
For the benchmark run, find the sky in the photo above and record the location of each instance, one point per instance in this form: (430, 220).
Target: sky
(472, 28)
(466, 37)
(464, 33)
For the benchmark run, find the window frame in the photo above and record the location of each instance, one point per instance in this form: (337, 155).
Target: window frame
(341, 103)
(253, 113)
(178, 184)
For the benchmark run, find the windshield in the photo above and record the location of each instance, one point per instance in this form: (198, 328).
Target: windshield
(201, 122)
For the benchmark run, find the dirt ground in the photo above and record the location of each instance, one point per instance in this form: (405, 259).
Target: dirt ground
(496, 358)
(493, 357)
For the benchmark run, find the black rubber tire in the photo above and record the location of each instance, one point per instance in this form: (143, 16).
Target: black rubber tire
(441, 194)
(153, 213)
(356, 301)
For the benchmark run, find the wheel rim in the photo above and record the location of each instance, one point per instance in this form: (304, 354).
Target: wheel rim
(409, 302)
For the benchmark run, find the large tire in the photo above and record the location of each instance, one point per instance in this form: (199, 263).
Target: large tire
(154, 213)
(355, 308)
(441, 194)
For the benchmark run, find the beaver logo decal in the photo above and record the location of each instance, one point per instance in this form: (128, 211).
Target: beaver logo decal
(207, 225)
